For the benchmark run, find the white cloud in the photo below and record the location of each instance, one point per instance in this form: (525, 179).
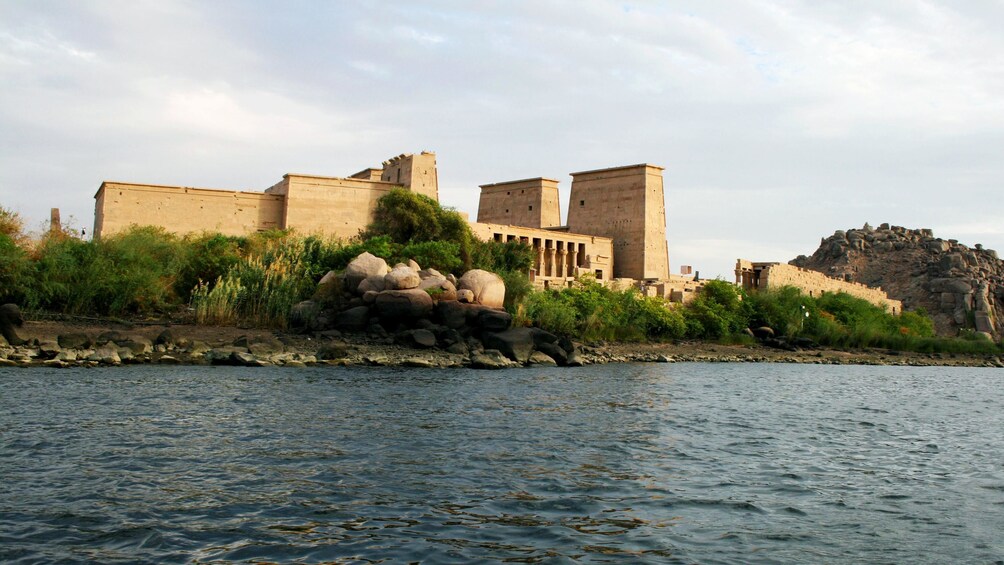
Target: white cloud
(777, 122)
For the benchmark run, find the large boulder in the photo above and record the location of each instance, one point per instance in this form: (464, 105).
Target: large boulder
(402, 277)
(10, 317)
(515, 343)
(75, 340)
(451, 314)
(430, 273)
(403, 305)
(488, 319)
(554, 351)
(439, 288)
(137, 345)
(375, 283)
(489, 359)
(487, 287)
(332, 350)
(365, 265)
(353, 319)
(418, 339)
(303, 313)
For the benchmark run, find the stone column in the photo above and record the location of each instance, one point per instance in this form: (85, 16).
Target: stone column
(550, 266)
(562, 267)
(572, 256)
(540, 261)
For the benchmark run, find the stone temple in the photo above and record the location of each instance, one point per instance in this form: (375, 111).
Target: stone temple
(616, 228)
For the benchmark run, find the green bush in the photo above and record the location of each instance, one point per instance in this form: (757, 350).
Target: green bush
(14, 270)
(546, 310)
(784, 310)
(499, 257)
(443, 256)
(517, 288)
(260, 289)
(591, 311)
(406, 217)
(717, 312)
(12, 225)
(209, 256)
(129, 273)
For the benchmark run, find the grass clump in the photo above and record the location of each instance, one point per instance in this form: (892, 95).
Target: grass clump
(260, 288)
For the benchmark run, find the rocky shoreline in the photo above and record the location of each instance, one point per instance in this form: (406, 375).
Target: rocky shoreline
(65, 345)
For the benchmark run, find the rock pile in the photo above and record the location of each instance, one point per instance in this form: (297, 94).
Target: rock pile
(960, 287)
(111, 347)
(424, 309)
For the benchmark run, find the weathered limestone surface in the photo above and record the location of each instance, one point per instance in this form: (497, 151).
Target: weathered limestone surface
(616, 222)
(560, 256)
(627, 205)
(531, 203)
(181, 209)
(414, 172)
(960, 287)
(776, 275)
(333, 206)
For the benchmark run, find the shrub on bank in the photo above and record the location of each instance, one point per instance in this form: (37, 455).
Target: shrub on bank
(128, 273)
(591, 311)
(722, 312)
(260, 288)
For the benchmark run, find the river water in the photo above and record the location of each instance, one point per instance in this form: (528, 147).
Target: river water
(640, 463)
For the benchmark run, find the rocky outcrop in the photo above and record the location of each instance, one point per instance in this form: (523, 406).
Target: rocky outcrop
(423, 309)
(403, 306)
(959, 287)
(10, 318)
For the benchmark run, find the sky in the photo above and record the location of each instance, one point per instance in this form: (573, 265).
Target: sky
(777, 122)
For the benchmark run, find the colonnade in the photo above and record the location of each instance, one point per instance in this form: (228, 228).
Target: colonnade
(554, 258)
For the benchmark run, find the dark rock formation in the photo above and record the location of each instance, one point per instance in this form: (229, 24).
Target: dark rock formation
(960, 287)
(10, 318)
(422, 309)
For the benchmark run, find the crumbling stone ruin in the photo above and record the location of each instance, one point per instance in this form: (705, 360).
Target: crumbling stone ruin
(960, 287)
(766, 275)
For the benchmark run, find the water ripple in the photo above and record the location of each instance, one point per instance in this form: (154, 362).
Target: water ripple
(684, 463)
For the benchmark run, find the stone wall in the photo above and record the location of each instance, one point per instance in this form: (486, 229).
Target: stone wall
(414, 172)
(531, 203)
(627, 205)
(332, 206)
(752, 276)
(961, 287)
(617, 221)
(184, 209)
(560, 256)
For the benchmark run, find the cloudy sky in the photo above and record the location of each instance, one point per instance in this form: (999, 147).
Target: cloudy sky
(778, 122)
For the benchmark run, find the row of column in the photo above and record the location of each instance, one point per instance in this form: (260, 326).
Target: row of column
(553, 262)
(747, 278)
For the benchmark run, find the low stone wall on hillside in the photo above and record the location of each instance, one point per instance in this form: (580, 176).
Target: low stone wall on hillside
(960, 287)
(752, 275)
